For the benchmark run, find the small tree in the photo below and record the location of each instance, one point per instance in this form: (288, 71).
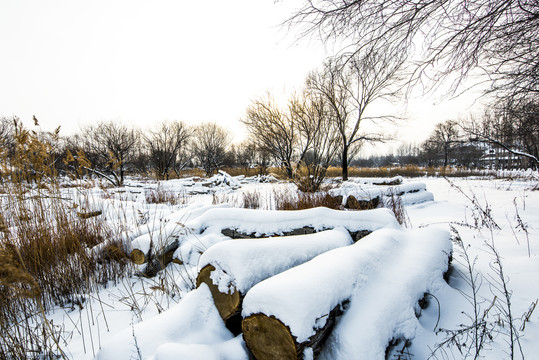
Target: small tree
(110, 147)
(209, 146)
(317, 136)
(444, 140)
(164, 144)
(7, 143)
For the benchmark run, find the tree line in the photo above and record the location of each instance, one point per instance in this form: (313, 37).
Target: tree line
(111, 149)
(303, 136)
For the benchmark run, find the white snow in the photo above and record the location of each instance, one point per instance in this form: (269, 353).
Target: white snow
(240, 264)
(413, 269)
(194, 320)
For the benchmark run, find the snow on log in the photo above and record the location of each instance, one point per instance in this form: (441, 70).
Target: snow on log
(259, 223)
(231, 268)
(165, 239)
(356, 193)
(390, 270)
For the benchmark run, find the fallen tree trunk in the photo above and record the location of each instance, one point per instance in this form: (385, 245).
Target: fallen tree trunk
(231, 268)
(292, 314)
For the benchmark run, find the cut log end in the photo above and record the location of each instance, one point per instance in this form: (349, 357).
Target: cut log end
(268, 338)
(138, 257)
(227, 304)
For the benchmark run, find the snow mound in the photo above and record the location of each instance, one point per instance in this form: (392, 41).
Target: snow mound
(223, 179)
(196, 321)
(383, 276)
(229, 350)
(395, 180)
(261, 179)
(170, 229)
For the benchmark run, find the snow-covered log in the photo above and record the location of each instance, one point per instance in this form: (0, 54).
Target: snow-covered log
(359, 196)
(263, 223)
(231, 268)
(292, 313)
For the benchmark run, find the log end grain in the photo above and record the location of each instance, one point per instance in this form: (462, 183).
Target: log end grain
(268, 338)
(227, 304)
(138, 257)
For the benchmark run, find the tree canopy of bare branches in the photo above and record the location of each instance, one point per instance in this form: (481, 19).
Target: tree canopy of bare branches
(513, 127)
(111, 145)
(209, 146)
(456, 36)
(444, 140)
(272, 130)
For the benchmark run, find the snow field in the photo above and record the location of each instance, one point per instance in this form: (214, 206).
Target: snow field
(193, 329)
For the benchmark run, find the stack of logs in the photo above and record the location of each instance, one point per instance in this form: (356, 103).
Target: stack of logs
(270, 337)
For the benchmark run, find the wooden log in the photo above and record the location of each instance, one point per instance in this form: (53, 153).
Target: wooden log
(305, 302)
(89, 214)
(228, 304)
(240, 264)
(240, 223)
(138, 256)
(355, 204)
(160, 258)
(269, 339)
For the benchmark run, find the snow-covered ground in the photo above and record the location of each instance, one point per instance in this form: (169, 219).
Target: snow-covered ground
(164, 318)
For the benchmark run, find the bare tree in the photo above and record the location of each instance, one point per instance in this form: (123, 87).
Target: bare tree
(164, 144)
(318, 137)
(110, 146)
(444, 140)
(272, 130)
(457, 36)
(349, 87)
(209, 146)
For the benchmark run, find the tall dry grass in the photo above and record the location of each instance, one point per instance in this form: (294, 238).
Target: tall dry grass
(51, 252)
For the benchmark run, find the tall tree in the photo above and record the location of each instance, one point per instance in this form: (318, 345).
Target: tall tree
(350, 86)
(444, 140)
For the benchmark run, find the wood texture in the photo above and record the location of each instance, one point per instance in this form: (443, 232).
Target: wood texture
(227, 304)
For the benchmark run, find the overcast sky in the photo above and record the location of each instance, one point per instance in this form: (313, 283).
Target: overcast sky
(71, 62)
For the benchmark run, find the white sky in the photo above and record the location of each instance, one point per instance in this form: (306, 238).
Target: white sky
(72, 62)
